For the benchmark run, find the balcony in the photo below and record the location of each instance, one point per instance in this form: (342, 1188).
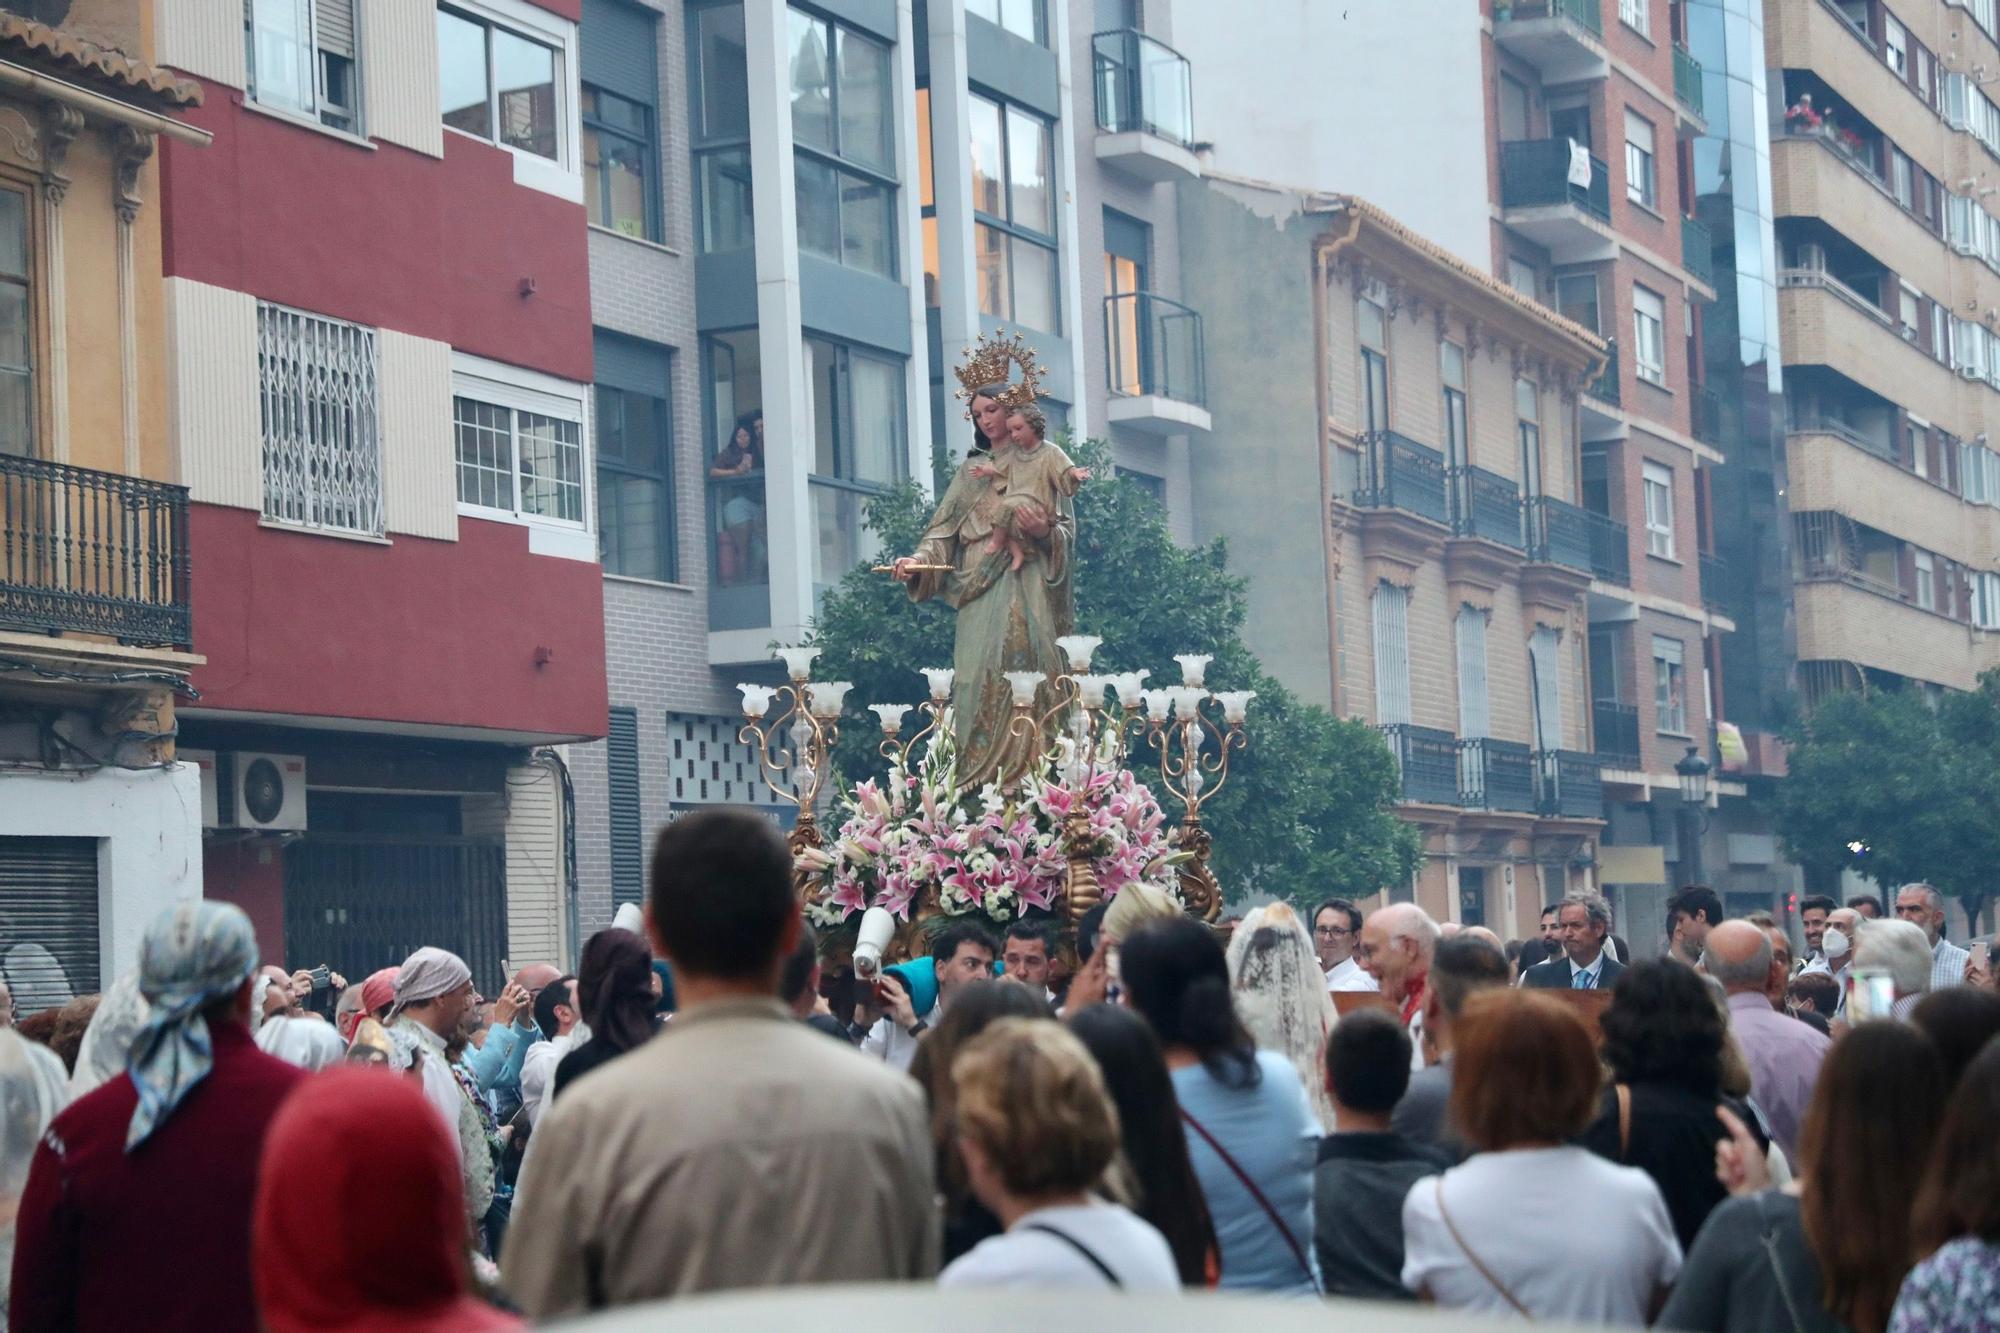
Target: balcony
(1569, 785)
(1427, 760)
(1145, 107)
(1496, 775)
(1485, 505)
(1846, 616)
(1696, 256)
(1559, 533)
(1610, 549)
(93, 553)
(1157, 365)
(1616, 726)
(1705, 413)
(1559, 196)
(1398, 473)
(1687, 87)
(1714, 582)
(1564, 39)
(1605, 388)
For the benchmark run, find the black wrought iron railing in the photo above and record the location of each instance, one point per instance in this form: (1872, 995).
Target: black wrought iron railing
(1605, 387)
(1399, 473)
(1153, 345)
(1495, 775)
(1569, 785)
(1610, 549)
(1706, 406)
(1427, 760)
(1538, 173)
(1143, 85)
(1485, 504)
(1687, 79)
(1559, 533)
(1713, 587)
(1587, 14)
(1696, 257)
(93, 553)
(1617, 729)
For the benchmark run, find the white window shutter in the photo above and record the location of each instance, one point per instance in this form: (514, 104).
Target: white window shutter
(1392, 654)
(1545, 659)
(1475, 719)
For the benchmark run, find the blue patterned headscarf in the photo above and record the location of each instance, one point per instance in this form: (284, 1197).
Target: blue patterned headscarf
(193, 955)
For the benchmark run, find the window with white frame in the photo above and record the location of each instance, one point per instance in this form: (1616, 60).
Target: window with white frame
(502, 85)
(518, 438)
(17, 373)
(1669, 686)
(1895, 45)
(1926, 568)
(1649, 336)
(1658, 480)
(1391, 606)
(301, 59)
(1986, 600)
(1634, 15)
(317, 397)
(1642, 185)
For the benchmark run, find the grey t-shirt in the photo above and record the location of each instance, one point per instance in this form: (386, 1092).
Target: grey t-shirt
(1750, 1271)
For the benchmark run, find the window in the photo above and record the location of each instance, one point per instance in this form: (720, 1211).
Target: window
(301, 58)
(855, 402)
(1521, 276)
(1909, 305)
(1641, 177)
(1918, 436)
(1576, 299)
(1391, 608)
(1013, 203)
(1513, 109)
(519, 448)
(633, 431)
(1658, 481)
(618, 164)
(1895, 45)
(1528, 413)
(1986, 600)
(316, 389)
(1649, 336)
(1634, 15)
(844, 164)
(1669, 687)
(1474, 703)
(1023, 18)
(1155, 487)
(499, 85)
(1901, 181)
(1372, 324)
(1926, 581)
(720, 126)
(1127, 246)
(1452, 363)
(17, 376)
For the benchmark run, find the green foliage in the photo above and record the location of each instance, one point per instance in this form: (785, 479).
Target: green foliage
(1307, 811)
(1913, 786)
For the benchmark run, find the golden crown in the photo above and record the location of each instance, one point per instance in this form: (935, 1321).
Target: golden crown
(992, 361)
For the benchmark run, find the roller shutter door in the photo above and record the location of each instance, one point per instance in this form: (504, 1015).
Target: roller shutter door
(48, 920)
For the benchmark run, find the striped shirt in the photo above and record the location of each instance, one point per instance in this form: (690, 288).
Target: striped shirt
(1947, 964)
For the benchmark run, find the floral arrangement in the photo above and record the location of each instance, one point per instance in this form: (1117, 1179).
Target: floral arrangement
(915, 837)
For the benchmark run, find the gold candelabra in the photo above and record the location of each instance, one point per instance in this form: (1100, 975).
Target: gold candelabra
(794, 728)
(1194, 730)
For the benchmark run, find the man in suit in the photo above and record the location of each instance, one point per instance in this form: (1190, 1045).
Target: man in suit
(1585, 922)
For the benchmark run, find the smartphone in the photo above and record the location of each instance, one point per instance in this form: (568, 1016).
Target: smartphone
(1871, 994)
(1981, 957)
(322, 977)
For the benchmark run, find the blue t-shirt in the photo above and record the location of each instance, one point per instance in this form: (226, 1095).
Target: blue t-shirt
(1270, 1131)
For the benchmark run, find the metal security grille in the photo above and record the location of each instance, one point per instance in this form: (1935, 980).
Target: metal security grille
(628, 853)
(361, 902)
(48, 920)
(322, 437)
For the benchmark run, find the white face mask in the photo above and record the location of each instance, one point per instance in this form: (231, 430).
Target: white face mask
(1834, 943)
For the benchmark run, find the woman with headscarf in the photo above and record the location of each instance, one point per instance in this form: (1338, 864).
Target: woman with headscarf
(137, 1210)
(1281, 996)
(109, 1037)
(33, 1088)
(403, 1271)
(614, 988)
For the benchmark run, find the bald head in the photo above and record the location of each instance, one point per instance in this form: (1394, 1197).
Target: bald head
(536, 976)
(1738, 955)
(1397, 942)
(1482, 933)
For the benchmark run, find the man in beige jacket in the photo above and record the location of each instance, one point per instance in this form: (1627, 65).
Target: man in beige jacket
(739, 1148)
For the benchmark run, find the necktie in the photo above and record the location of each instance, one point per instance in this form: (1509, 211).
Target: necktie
(1581, 981)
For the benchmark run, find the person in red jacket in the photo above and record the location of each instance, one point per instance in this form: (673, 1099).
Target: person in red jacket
(137, 1208)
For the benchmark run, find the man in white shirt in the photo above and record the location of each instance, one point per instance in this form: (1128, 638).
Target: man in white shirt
(1336, 930)
(961, 952)
(1397, 945)
(556, 1014)
(1924, 905)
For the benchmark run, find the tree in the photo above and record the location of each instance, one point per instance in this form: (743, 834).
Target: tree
(1307, 811)
(1885, 785)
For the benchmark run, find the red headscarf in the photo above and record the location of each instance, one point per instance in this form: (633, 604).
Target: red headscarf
(379, 991)
(360, 1223)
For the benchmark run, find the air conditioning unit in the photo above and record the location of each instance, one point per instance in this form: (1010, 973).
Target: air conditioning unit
(258, 792)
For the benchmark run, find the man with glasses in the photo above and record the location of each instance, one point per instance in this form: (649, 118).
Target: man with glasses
(1336, 929)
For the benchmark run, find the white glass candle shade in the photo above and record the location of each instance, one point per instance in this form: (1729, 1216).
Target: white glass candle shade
(1194, 668)
(1187, 702)
(826, 697)
(940, 682)
(1158, 703)
(756, 700)
(798, 661)
(1235, 703)
(1078, 648)
(1024, 684)
(1131, 688)
(892, 716)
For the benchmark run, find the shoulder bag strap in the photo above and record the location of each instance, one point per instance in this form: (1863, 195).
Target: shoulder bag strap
(1445, 1216)
(1768, 1235)
(1277, 1221)
(1624, 1121)
(1089, 1254)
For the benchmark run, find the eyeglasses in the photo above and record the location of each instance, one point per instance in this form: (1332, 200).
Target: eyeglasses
(1330, 932)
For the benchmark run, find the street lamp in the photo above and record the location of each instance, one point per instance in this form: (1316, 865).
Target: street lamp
(1693, 772)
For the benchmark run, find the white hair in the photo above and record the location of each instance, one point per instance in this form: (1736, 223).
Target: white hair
(1407, 921)
(1933, 900)
(1900, 946)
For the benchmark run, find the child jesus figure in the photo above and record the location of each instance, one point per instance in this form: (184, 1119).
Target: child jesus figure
(1034, 475)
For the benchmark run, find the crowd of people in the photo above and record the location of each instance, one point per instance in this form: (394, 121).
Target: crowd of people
(1358, 1104)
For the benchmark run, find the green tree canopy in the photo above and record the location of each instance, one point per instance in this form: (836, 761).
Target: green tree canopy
(1307, 812)
(1888, 786)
